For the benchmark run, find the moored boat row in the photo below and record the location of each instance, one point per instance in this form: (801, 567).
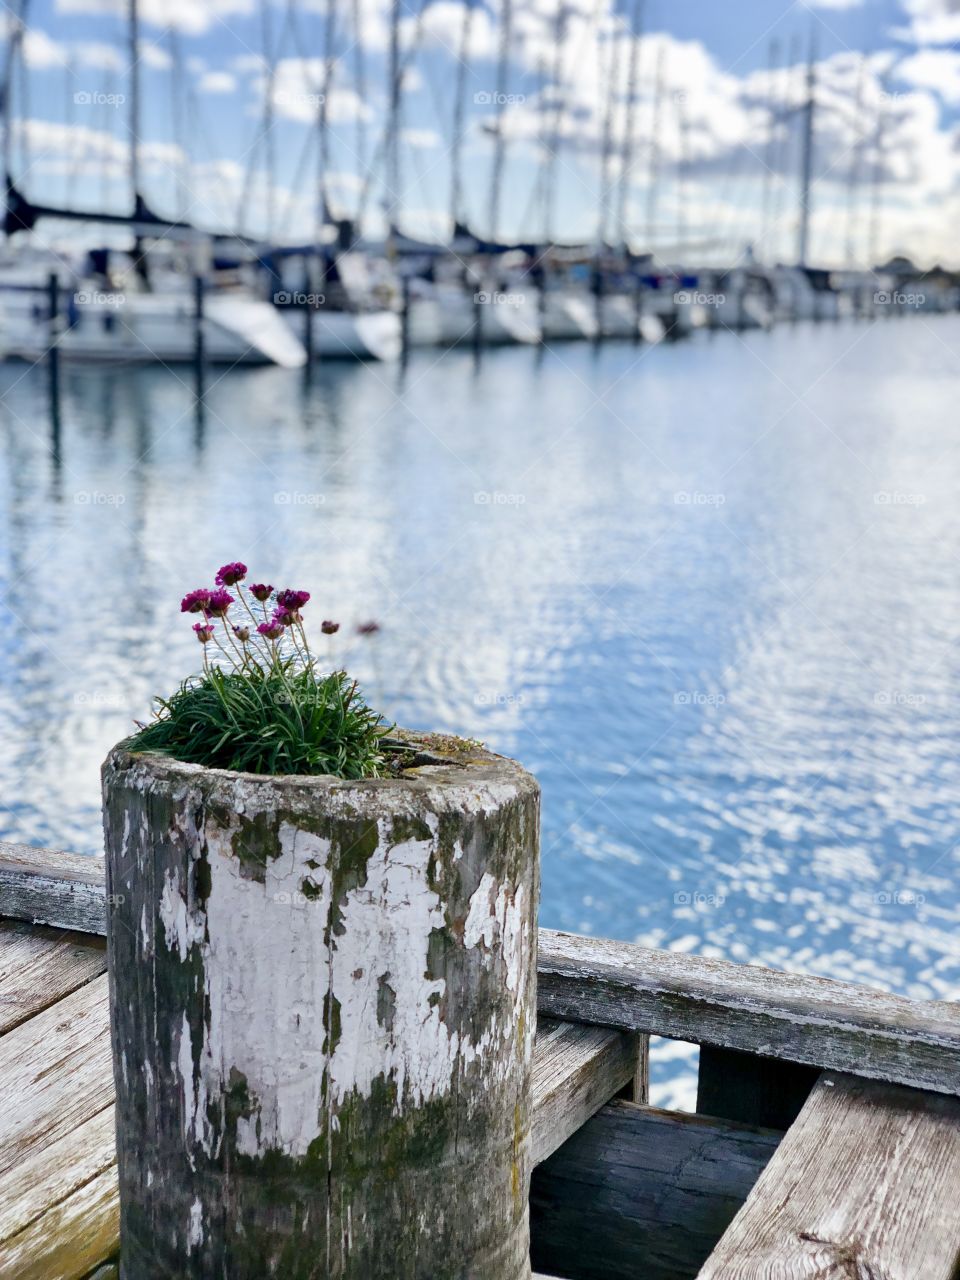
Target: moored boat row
(289, 309)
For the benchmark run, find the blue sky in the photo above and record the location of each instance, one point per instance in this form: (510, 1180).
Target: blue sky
(702, 169)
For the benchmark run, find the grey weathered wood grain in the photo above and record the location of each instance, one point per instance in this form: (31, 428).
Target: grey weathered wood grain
(44, 886)
(639, 1192)
(39, 966)
(864, 1184)
(817, 1021)
(55, 1072)
(50, 1174)
(71, 1238)
(341, 978)
(640, 1087)
(576, 1069)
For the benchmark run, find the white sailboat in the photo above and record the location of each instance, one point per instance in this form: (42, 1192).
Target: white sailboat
(120, 321)
(345, 316)
(444, 313)
(567, 314)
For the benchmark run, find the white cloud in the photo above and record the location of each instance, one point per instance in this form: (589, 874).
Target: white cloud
(152, 55)
(188, 16)
(298, 93)
(98, 56)
(937, 69)
(41, 52)
(442, 28)
(217, 82)
(345, 106)
(931, 21)
(372, 28)
(244, 64)
(422, 139)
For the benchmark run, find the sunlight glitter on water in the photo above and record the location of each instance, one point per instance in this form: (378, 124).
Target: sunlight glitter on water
(708, 593)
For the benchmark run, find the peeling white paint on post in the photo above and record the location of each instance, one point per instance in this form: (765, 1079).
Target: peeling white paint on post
(329, 988)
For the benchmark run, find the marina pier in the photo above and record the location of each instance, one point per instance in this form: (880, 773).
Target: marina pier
(827, 1125)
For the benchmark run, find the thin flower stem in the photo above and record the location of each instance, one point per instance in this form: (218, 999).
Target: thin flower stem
(233, 643)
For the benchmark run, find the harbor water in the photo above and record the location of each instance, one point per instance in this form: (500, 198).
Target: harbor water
(708, 592)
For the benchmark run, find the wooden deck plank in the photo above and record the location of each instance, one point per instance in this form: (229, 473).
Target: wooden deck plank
(817, 1021)
(863, 1184)
(576, 1069)
(71, 1238)
(55, 1072)
(49, 1175)
(640, 1192)
(40, 966)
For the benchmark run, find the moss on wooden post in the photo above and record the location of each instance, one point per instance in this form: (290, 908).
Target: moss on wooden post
(323, 1010)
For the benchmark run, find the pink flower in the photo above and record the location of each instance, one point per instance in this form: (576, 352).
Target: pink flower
(292, 600)
(329, 628)
(196, 601)
(204, 631)
(229, 574)
(218, 603)
(260, 591)
(273, 630)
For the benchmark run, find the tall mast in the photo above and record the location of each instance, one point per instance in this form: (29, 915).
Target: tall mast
(630, 125)
(392, 194)
(268, 140)
(854, 180)
(133, 32)
(178, 88)
(653, 173)
(681, 176)
(323, 114)
(264, 137)
(14, 43)
(503, 59)
(553, 146)
(606, 147)
(877, 183)
(360, 84)
(784, 148)
(771, 148)
(459, 109)
(806, 164)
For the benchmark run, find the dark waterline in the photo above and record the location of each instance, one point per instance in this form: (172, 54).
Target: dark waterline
(708, 593)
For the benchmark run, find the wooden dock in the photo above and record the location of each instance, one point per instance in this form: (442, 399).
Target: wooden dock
(826, 1143)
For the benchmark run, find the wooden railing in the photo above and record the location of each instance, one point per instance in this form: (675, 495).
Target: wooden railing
(839, 1067)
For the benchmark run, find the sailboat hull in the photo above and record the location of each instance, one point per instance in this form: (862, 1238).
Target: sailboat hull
(113, 328)
(567, 315)
(448, 315)
(356, 335)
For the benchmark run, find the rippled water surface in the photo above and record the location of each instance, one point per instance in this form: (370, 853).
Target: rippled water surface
(709, 593)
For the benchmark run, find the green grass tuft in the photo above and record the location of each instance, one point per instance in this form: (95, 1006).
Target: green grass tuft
(284, 720)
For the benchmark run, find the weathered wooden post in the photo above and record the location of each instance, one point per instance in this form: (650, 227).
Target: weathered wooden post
(323, 1011)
